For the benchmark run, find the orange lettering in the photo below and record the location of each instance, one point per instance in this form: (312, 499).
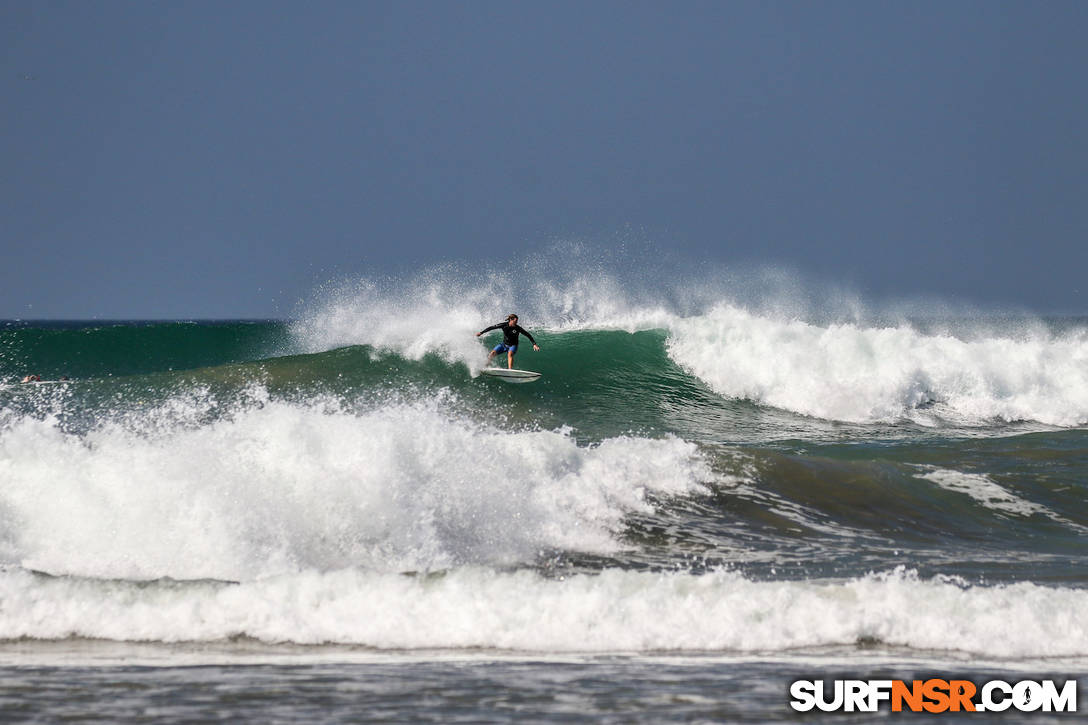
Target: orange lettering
(961, 693)
(937, 691)
(913, 696)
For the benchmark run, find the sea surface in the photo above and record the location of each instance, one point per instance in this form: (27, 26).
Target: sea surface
(337, 518)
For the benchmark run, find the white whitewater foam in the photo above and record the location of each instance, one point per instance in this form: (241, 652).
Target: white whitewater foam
(986, 491)
(853, 373)
(615, 611)
(275, 486)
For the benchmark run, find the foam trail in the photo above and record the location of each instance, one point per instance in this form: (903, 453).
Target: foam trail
(615, 611)
(986, 491)
(863, 374)
(276, 486)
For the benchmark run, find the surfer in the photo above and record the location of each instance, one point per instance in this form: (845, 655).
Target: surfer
(510, 331)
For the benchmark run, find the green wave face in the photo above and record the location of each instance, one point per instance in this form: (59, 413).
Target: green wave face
(599, 383)
(98, 350)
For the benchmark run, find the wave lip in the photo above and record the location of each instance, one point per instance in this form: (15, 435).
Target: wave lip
(615, 611)
(857, 374)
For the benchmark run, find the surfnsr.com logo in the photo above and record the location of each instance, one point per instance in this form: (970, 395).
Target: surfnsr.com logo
(933, 695)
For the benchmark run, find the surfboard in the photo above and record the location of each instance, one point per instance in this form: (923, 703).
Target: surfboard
(511, 376)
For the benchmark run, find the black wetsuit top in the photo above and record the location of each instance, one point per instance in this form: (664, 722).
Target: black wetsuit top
(509, 334)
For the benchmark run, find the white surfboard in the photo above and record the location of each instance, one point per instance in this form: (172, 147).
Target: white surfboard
(511, 376)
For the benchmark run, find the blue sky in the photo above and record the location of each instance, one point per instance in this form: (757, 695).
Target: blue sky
(220, 159)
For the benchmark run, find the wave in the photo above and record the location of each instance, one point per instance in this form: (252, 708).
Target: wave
(839, 372)
(815, 356)
(204, 485)
(862, 374)
(829, 360)
(614, 611)
(273, 486)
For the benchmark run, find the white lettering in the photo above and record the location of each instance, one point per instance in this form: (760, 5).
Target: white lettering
(1065, 701)
(856, 696)
(1027, 696)
(804, 695)
(821, 699)
(988, 701)
(879, 690)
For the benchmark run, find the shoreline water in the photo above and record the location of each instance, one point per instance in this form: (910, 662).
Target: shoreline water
(467, 689)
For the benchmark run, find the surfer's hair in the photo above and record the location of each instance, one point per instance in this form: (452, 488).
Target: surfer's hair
(511, 316)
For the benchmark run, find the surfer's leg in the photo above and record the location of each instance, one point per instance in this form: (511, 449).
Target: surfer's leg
(509, 359)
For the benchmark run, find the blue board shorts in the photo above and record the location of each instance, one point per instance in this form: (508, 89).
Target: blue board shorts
(503, 347)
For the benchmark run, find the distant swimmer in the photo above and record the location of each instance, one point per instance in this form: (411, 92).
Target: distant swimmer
(32, 379)
(509, 344)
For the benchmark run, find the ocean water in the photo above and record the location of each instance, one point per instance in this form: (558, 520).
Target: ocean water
(702, 499)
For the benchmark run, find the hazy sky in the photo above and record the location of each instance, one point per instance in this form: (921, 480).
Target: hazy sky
(218, 159)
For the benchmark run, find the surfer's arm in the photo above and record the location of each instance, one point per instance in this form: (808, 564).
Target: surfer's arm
(523, 331)
(488, 329)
